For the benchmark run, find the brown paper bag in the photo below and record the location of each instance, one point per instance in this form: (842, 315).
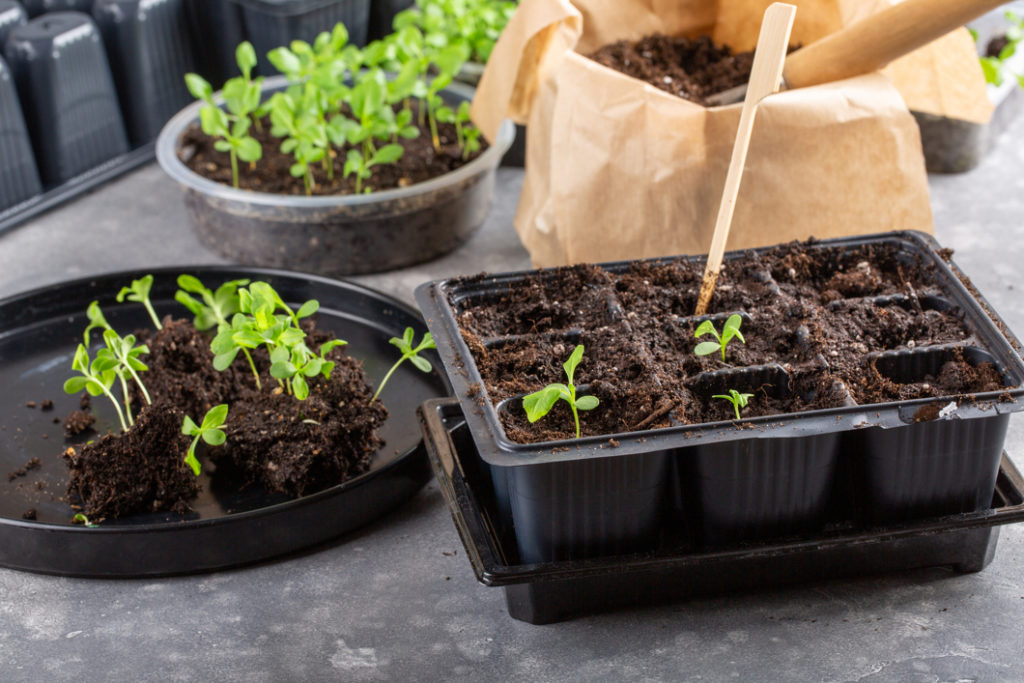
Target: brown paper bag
(618, 169)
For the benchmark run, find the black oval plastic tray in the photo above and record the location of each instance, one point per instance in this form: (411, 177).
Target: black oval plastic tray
(39, 331)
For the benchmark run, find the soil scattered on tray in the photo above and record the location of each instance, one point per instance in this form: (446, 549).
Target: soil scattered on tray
(820, 326)
(78, 422)
(273, 440)
(32, 464)
(419, 162)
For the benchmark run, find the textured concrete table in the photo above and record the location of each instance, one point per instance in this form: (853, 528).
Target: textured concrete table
(397, 600)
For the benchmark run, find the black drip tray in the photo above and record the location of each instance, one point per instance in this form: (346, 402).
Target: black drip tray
(550, 592)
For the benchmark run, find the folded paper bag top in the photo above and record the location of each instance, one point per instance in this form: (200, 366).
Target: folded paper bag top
(618, 169)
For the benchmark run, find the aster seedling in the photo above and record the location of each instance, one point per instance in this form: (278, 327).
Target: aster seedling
(230, 128)
(138, 291)
(122, 356)
(97, 379)
(298, 363)
(539, 403)
(97, 321)
(209, 431)
(730, 330)
(409, 353)
(737, 400)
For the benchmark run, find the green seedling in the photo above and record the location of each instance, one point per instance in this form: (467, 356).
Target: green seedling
(408, 353)
(296, 363)
(96, 320)
(122, 356)
(139, 291)
(79, 518)
(97, 379)
(995, 66)
(729, 330)
(242, 98)
(209, 431)
(216, 308)
(540, 403)
(259, 323)
(299, 119)
(737, 400)
(475, 24)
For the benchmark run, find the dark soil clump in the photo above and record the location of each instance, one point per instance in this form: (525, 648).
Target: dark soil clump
(141, 470)
(78, 422)
(419, 162)
(273, 440)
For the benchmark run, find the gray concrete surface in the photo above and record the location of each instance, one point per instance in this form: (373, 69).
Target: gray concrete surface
(397, 600)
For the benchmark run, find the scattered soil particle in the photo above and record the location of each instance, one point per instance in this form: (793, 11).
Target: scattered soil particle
(30, 404)
(78, 422)
(29, 514)
(32, 464)
(419, 162)
(47, 404)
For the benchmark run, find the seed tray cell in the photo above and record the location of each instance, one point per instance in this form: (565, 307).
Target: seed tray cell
(857, 415)
(674, 568)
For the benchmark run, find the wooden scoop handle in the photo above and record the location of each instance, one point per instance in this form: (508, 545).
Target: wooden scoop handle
(873, 42)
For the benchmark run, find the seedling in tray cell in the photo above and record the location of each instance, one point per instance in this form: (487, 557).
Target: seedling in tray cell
(539, 403)
(408, 353)
(730, 330)
(209, 431)
(737, 400)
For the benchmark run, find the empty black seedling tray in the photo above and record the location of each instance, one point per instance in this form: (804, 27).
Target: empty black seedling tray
(547, 592)
(701, 472)
(39, 331)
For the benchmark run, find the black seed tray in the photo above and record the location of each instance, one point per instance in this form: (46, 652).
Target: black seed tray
(724, 482)
(72, 137)
(273, 23)
(548, 592)
(226, 526)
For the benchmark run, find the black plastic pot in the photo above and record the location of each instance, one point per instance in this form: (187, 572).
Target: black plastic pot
(547, 592)
(751, 480)
(955, 146)
(336, 235)
(37, 7)
(273, 23)
(382, 15)
(149, 51)
(226, 526)
(12, 14)
(216, 29)
(19, 179)
(67, 95)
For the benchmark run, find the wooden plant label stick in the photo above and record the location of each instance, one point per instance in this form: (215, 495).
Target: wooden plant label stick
(765, 77)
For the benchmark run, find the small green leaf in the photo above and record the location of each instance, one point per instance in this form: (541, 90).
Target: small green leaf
(215, 416)
(300, 387)
(189, 427)
(222, 361)
(75, 385)
(214, 437)
(706, 348)
(587, 402)
(282, 370)
(421, 363)
(706, 327)
(574, 359)
(198, 86)
(307, 309)
(539, 403)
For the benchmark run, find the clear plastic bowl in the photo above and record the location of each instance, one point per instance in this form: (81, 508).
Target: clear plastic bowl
(336, 235)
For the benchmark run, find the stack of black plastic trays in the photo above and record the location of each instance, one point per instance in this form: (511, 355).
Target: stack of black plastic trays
(84, 95)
